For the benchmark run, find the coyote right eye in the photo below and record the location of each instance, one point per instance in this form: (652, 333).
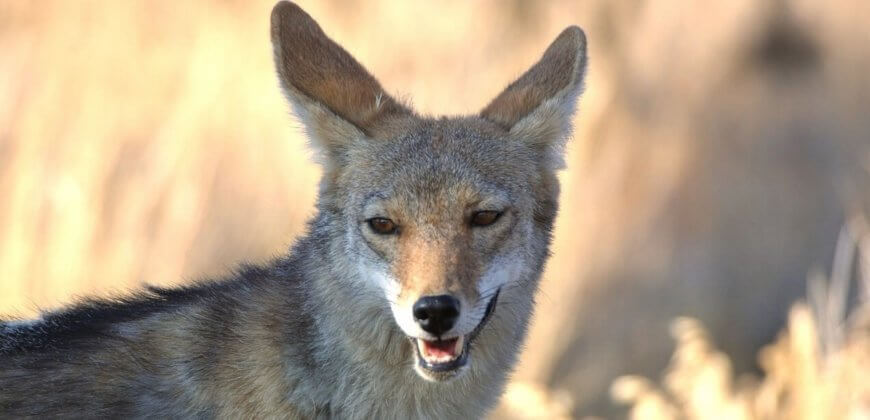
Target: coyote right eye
(484, 218)
(382, 225)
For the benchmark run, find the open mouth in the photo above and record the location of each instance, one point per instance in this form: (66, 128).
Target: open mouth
(442, 355)
(450, 354)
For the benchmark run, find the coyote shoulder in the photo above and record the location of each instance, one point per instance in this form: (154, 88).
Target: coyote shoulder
(408, 297)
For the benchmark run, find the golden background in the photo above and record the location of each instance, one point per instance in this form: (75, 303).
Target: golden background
(720, 149)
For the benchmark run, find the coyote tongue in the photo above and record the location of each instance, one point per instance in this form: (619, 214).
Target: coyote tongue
(441, 350)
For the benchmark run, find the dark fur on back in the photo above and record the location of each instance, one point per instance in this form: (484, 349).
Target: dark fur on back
(81, 323)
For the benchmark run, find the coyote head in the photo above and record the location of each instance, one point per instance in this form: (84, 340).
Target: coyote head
(439, 217)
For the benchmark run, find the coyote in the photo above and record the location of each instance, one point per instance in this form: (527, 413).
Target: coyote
(408, 297)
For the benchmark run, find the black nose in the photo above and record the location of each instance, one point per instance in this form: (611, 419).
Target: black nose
(436, 314)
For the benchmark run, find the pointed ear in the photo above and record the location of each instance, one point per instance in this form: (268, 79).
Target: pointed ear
(539, 106)
(337, 100)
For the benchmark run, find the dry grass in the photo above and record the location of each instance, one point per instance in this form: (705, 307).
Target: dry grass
(816, 369)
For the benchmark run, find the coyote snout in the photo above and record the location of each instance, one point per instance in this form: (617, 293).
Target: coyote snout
(437, 315)
(441, 358)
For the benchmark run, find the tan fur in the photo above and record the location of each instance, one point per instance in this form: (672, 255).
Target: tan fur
(437, 266)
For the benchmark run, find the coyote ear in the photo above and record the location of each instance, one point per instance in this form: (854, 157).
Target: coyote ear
(337, 100)
(539, 106)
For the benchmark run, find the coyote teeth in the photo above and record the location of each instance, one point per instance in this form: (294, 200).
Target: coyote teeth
(441, 351)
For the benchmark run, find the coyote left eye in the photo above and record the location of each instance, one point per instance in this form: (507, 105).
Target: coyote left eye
(382, 225)
(484, 218)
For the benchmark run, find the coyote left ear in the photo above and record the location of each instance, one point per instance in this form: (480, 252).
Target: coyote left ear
(539, 106)
(337, 100)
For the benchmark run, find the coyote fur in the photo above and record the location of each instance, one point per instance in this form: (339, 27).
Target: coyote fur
(408, 297)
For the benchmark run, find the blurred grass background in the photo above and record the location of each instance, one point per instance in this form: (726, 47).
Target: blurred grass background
(720, 147)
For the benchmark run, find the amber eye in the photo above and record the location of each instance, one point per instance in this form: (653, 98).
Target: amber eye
(484, 218)
(382, 225)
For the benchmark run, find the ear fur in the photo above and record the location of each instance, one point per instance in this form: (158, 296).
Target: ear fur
(338, 101)
(539, 106)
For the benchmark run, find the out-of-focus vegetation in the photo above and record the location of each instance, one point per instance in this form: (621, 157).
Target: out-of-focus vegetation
(816, 369)
(718, 149)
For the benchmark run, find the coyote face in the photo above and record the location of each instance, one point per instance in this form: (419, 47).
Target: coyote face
(440, 216)
(441, 220)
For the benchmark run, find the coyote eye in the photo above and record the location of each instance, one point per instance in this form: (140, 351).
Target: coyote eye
(484, 218)
(382, 225)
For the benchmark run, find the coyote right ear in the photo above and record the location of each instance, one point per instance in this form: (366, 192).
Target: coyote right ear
(539, 106)
(337, 100)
